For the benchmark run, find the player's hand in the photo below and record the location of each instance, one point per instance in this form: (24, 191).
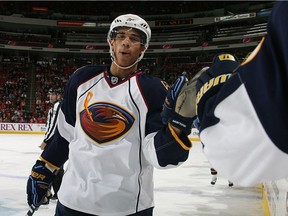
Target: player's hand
(212, 79)
(179, 109)
(208, 84)
(38, 184)
(43, 145)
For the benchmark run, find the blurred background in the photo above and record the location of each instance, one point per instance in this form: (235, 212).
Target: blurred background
(43, 42)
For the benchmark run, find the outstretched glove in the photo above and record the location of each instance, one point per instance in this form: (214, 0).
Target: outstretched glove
(38, 184)
(212, 79)
(179, 109)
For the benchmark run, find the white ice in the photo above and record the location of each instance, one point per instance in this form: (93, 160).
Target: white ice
(182, 191)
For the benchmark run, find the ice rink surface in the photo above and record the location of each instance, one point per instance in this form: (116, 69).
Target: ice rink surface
(182, 191)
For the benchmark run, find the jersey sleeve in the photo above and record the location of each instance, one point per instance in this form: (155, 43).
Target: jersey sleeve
(56, 152)
(161, 146)
(244, 128)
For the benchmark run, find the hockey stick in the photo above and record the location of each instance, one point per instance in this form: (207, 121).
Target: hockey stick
(31, 211)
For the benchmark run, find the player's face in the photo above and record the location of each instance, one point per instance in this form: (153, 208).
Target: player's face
(127, 46)
(52, 97)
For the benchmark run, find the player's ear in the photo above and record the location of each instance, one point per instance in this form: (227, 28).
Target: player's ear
(112, 45)
(142, 50)
(111, 42)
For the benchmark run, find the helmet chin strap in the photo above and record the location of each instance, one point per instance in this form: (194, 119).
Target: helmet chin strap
(124, 68)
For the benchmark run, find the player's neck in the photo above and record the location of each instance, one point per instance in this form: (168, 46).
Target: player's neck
(122, 73)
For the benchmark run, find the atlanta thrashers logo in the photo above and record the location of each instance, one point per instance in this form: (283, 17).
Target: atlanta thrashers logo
(105, 122)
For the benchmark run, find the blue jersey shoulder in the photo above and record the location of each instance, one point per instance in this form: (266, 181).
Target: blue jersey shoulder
(85, 73)
(153, 89)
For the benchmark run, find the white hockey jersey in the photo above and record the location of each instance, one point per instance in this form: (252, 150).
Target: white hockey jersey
(245, 126)
(115, 137)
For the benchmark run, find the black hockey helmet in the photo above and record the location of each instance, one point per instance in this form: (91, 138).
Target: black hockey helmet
(55, 90)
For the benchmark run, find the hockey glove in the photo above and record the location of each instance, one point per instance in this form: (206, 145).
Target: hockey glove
(38, 184)
(179, 109)
(208, 84)
(212, 79)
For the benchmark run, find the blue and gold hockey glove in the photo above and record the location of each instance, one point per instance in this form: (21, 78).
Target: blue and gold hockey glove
(38, 184)
(212, 79)
(179, 109)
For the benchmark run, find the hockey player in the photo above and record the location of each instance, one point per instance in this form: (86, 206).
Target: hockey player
(224, 62)
(110, 127)
(55, 99)
(244, 118)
